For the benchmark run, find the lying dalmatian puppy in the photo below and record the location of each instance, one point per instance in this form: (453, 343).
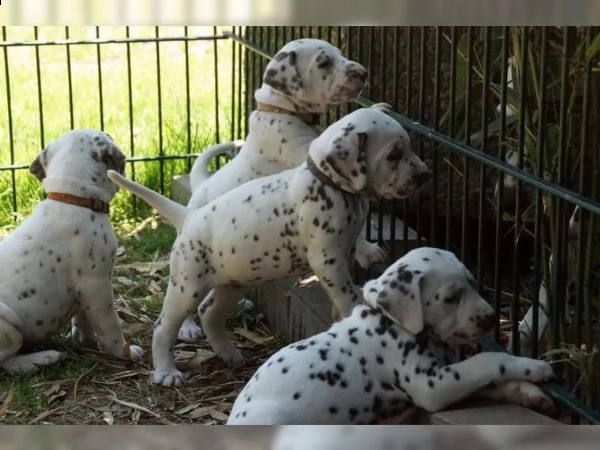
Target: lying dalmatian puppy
(304, 79)
(392, 354)
(57, 264)
(279, 226)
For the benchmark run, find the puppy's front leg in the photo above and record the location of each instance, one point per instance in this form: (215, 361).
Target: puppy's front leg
(97, 303)
(335, 278)
(441, 388)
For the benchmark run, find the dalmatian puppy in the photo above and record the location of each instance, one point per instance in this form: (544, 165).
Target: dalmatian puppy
(392, 355)
(304, 79)
(287, 224)
(57, 264)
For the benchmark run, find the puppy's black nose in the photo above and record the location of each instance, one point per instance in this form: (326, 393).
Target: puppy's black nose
(420, 178)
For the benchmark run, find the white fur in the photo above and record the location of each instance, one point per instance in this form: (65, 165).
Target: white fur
(395, 353)
(57, 264)
(279, 226)
(306, 76)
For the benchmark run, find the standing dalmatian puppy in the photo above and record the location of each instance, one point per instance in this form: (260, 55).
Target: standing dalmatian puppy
(306, 78)
(394, 354)
(288, 224)
(57, 264)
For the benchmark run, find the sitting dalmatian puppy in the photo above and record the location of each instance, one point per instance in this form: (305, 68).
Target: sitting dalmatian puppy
(57, 264)
(393, 354)
(288, 224)
(306, 78)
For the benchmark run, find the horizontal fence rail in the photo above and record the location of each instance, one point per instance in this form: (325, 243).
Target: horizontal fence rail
(514, 236)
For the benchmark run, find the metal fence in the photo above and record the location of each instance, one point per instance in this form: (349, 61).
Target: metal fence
(164, 94)
(507, 118)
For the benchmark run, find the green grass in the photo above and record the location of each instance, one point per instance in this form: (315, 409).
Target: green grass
(28, 139)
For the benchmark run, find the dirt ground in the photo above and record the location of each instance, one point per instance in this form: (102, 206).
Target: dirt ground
(93, 389)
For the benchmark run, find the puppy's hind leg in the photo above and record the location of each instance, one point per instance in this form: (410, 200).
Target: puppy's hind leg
(10, 343)
(213, 313)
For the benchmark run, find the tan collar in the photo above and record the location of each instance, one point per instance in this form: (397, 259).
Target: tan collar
(308, 118)
(94, 204)
(319, 175)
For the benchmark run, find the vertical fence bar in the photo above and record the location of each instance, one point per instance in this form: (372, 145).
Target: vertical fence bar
(70, 81)
(131, 118)
(11, 142)
(466, 162)
(484, 136)
(422, 110)
(500, 182)
(451, 125)
(558, 247)
(39, 87)
(538, 253)
(382, 84)
(408, 113)
(581, 270)
(188, 100)
(99, 64)
(160, 118)
(216, 73)
(243, 69)
(516, 286)
(436, 118)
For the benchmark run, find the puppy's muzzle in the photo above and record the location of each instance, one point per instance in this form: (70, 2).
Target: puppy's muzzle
(357, 73)
(486, 322)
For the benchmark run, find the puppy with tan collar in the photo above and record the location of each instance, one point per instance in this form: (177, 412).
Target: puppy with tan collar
(57, 265)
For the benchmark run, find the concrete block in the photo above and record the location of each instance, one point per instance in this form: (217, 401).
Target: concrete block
(491, 415)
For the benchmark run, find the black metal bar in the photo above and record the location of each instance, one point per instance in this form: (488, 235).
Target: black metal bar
(11, 142)
(537, 244)
(100, 94)
(422, 106)
(484, 136)
(40, 94)
(134, 199)
(70, 81)
(451, 131)
(500, 182)
(188, 100)
(216, 73)
(466, 161)
(39, 43)
(161, 148)
(435, 157)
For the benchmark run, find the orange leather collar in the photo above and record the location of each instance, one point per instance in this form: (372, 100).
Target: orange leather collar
(91, 203)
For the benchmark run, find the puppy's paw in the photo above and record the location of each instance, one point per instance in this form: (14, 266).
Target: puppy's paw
(532, 397)
(32, 362)
(230, 355)
(368, 254)
(136, 353)
(190, 331)
(534, 370)
(169, 379)
(383, 107)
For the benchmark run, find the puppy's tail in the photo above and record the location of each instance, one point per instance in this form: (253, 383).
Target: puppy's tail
(199, 173)
(172, 211)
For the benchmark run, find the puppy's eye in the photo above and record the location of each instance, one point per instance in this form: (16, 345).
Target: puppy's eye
(325, 64)
(396, 154)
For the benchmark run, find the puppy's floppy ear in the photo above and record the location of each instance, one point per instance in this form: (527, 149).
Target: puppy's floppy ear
(399, 298)
(110, 154)
(346, 159)
(38, 164)
(282, 74)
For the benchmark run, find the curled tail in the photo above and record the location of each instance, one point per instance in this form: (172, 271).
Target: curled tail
(172, 211)
(199, 173)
